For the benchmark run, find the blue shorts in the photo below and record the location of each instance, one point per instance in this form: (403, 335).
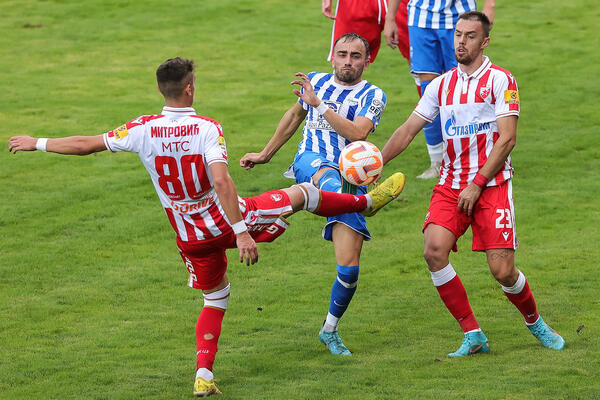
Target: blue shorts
(305, 166)
(431, 50)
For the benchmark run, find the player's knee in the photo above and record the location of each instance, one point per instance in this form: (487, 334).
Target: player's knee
(434, 256)
(506, 275)
(330, 180)
(218, 299)
(312, 196)
(348, 276)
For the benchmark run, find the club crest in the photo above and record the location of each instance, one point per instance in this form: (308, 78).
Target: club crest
(484, 91)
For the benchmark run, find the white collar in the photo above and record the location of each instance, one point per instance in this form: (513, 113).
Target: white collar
(178, 111)
(477, 74)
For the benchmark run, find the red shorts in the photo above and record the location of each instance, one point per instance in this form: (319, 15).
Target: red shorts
(265, 217)
(492, 220)
(367, 18)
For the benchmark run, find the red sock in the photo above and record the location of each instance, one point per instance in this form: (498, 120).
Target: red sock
(454, 296)
(525, 302)
(208, 330)
(340, 203)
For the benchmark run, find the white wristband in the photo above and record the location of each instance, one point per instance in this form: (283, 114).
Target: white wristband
(41, 144)
(322, 108)
(239, 227)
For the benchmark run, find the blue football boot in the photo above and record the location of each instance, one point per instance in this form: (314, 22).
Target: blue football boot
(546, 335)
(473, 343)
(334, 342)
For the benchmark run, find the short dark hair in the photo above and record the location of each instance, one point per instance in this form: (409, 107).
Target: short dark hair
(478, 16)
(348, 37)
(173, 75)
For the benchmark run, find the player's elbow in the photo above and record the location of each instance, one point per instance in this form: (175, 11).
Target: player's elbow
(361, 134)
(222, 184)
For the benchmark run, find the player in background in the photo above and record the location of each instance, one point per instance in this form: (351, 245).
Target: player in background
(337, 108)
(431, 28)
(186, 157)
(478, 103)
(368, 18)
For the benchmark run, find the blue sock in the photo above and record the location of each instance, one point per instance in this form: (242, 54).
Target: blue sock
(330, 181)
(343, 289)
(433, 130)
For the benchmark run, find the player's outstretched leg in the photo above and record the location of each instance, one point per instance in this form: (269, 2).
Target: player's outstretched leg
(473, 343)
(385, 192)
(546, 335)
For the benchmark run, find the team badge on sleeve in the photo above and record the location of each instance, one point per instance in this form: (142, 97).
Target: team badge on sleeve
(119, 133)
(511, 97)
(376, 107)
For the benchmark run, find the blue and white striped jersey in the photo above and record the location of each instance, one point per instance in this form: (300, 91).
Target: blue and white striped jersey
(437, 14)
(361, 100)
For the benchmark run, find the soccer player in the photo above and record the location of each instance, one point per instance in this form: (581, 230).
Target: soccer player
(431, 27)
(368, 19)
(337, 108)
(478, 103)
(186, 157)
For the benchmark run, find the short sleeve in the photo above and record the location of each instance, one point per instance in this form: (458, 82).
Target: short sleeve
(128, 137)
(373, 107)
(429, 105)
(506, 94)
(214, 145)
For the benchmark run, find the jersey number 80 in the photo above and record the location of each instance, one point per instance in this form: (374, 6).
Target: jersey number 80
(192, 171)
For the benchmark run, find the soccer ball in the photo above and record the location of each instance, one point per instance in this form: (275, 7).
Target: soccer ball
(360, 163)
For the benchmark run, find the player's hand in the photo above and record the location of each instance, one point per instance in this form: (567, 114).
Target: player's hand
(307, 94)
(247, 247)
(326, 9)
(467, 198)
(251, 159)
(21, 143)
(390, 31)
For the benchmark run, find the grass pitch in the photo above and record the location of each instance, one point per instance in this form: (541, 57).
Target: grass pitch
(93, 302)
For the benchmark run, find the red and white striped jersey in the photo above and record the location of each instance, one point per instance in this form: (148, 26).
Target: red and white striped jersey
(176, 147)
(469, 106)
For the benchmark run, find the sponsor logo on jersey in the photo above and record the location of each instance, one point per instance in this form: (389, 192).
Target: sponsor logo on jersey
(315, 163)
(464, 130)
(119, 133)
(192, 207)
(511, 97)
(221, 141)
(484, 91)
(334, 105)
(321, 124)
(276, 197)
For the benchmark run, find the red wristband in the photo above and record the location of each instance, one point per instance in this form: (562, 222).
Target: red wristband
(480, 180)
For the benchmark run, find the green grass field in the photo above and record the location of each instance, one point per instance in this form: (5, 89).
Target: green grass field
(93, 296)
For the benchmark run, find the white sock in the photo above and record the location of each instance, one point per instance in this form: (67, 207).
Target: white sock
(369, 201)
(205, 374)
(331, 323)
(435, 153)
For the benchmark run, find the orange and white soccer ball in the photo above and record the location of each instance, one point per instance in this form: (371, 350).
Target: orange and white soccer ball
(360, 163)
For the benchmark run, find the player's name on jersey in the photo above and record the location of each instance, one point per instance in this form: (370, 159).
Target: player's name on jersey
(192, 207)
(174, 131)
(321, 124)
